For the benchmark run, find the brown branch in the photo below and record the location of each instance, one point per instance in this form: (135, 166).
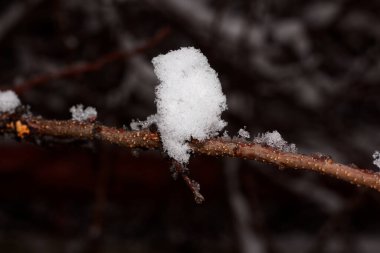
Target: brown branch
(87, 67)
(212, 147)
(193, 185)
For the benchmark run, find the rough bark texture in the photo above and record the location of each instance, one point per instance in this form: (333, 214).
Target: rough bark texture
(219, 147)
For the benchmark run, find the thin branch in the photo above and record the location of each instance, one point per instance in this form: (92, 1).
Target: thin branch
(87, 67)
(221, 147)
(192, 184)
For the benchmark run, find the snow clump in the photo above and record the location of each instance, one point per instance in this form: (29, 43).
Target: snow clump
(9, 101)
(80, 114)
(244, 133)
(376, 157)
(274, 139)
(138, 125)
(189, 100)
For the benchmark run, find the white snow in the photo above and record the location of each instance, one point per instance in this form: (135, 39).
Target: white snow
(376, 157)
(244, 133)
(138, 125)
(80, 114)
(274, 139)
(189, 100)
(8, 101)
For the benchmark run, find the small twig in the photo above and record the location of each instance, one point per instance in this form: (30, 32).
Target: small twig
(193, 185)
(82, 68)
(211, 147)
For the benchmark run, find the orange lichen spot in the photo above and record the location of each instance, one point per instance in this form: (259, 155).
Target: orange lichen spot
(21, 129)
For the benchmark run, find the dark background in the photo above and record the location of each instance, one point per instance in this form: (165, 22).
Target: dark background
(309, 69)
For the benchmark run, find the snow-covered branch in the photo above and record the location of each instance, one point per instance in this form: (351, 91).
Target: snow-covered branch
(217, 147)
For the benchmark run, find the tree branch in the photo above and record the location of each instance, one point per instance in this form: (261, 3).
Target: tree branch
(211, 147)
(87, 67)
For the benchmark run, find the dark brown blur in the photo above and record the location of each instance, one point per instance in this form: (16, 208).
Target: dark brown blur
(309, 69)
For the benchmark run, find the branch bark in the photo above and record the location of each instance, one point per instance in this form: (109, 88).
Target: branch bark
(219, 147)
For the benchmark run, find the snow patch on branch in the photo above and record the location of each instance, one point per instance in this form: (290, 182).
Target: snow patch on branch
(9, 101)
(138, 124)
(80, 114)
(275, 140)
(244, 133)
(189, 100)
(376, 158)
